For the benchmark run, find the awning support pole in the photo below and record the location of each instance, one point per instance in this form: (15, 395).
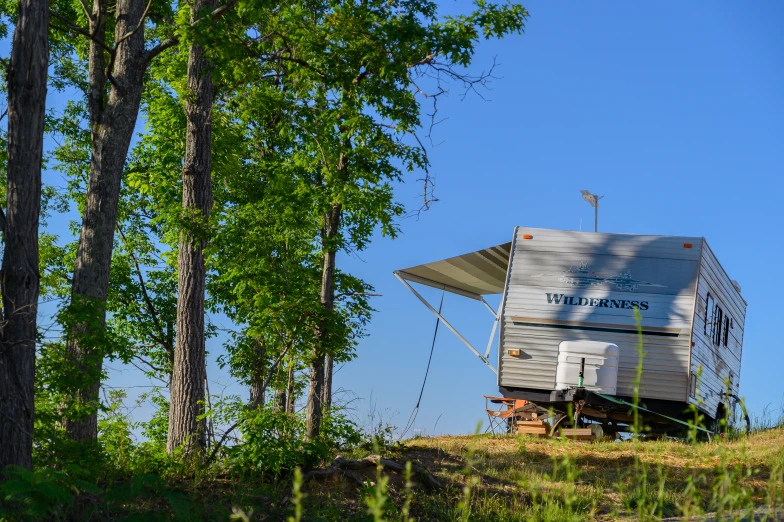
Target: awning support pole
(489, 307)
(495, 325)
(492, 336)
(446, 323)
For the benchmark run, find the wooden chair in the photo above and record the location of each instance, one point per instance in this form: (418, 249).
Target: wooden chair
(501, 419)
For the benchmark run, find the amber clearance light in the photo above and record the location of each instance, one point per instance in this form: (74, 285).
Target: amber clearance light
(527, 236)
(687, 245)
(513, 352)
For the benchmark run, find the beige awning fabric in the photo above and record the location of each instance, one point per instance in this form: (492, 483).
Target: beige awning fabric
(472, 275)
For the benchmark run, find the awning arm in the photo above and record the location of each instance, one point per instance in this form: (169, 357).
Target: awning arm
(489, 307)
(492, 336)
(428, 305)
(495, 325)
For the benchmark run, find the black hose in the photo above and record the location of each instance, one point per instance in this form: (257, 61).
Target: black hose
(415, 411)
(744, 410)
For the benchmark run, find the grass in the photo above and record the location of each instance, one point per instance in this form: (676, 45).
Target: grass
(526, 478)
(502, 478)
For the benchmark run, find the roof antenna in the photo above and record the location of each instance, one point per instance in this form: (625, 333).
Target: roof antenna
(581, 224)
(593, 199)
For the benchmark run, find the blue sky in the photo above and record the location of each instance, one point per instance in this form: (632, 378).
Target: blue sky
(671, 111)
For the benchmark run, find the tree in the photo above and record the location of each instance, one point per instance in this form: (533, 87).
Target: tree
(113, 91)
(379, 60)
(27, 74)
(186, 422)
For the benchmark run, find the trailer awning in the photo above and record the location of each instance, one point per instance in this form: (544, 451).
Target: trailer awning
(471, 275)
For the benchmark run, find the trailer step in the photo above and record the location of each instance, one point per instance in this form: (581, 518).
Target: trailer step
(529, 423)
(595, 432)
(538, 428)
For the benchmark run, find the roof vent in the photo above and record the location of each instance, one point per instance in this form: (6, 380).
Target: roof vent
(736, 285)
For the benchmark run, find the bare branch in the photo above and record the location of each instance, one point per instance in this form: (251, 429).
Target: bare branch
(158, 49)
(147, 299)
(111, 80)
(86, 10)
(138, 26)
(174, 40)
(69, 26)
(220, 11)
(151, 366)
(424, 61)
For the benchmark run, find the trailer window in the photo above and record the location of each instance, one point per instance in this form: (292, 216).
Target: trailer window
(709, 316)
(727, 327)
(718, 321)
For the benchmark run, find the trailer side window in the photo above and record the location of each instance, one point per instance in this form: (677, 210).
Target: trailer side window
(718, 321)
(709, 316)
(727, 327)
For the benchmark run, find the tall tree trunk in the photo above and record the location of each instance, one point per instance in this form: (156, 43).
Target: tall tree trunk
(280, 399)
(112, 121)
(326, 399)
(319, 395)
(258, 375)
(187, 383)
(328, 290)
(315, 394)
(290, 390)
(20, 277)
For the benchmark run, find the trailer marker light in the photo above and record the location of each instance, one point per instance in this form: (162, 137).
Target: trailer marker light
(527, 236)
(514, 352)
(687, 245)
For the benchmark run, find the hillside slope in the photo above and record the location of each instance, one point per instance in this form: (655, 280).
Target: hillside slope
(524, 478)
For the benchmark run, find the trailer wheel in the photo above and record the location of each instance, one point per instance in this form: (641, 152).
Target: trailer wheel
(559, 417)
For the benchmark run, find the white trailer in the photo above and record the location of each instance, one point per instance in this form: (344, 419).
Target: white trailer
(565, 287)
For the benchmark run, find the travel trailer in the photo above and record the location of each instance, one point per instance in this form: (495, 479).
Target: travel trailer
(575, 307)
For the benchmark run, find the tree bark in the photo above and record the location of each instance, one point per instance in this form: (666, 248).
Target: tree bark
(112, 120)
(315, 394)
(280, 400)
(187, 388)
(326, 400)
(320, 389)
(290, 390)
(258, 376)
(328, 290)
(20, 277)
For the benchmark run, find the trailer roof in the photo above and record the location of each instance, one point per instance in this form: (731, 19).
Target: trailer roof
(472, 275)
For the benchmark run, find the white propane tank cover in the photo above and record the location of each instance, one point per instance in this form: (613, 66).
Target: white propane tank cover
(601, 366)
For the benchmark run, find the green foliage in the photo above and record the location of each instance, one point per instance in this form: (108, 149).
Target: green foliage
(41, 493)
(156, 429)
(319, 109)
(376, 499)
(296, 496)
(273, 442)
